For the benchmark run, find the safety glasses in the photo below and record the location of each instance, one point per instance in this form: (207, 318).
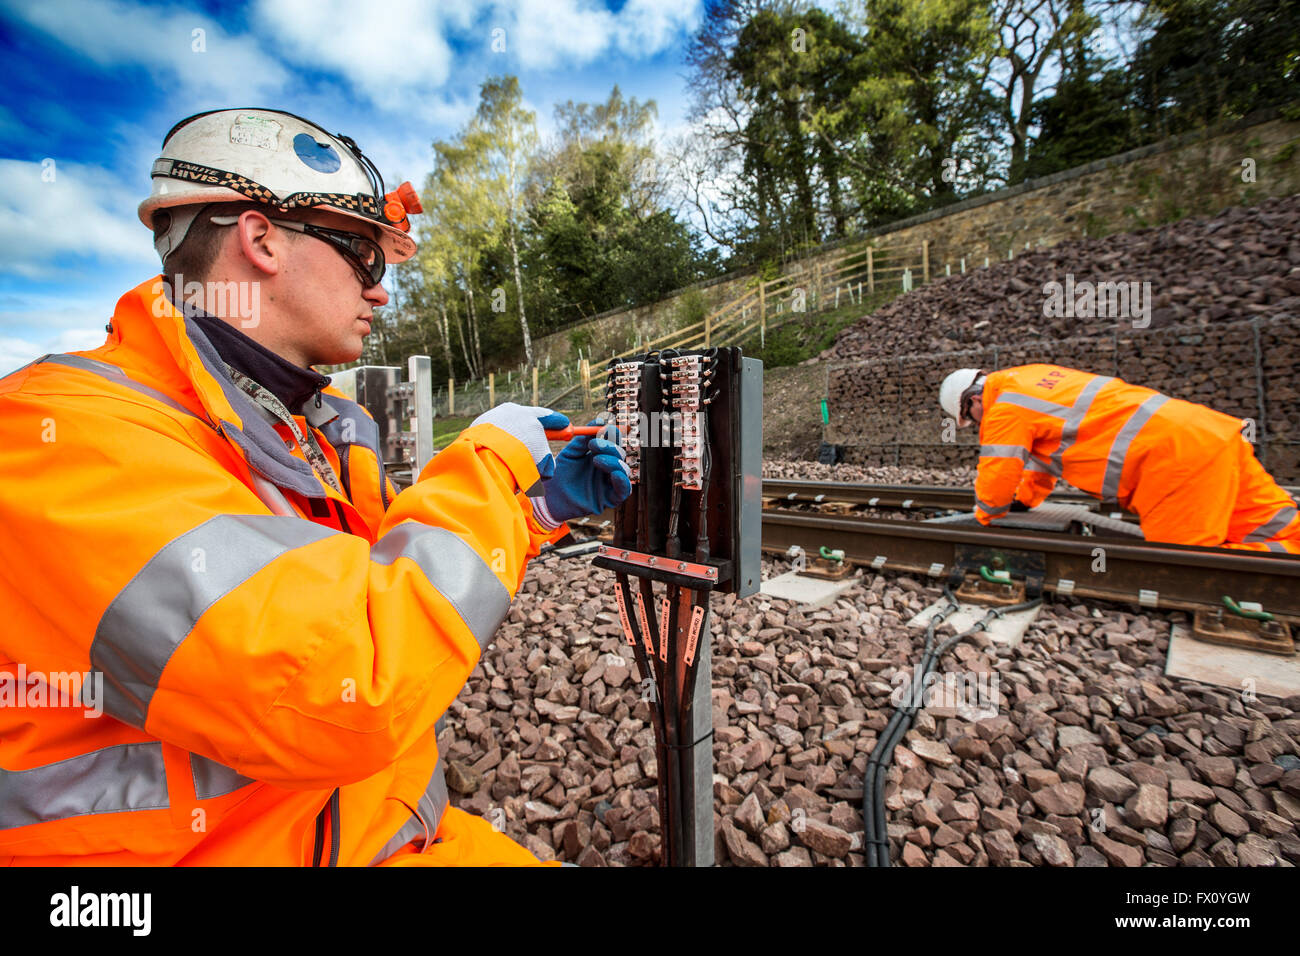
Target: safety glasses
(364, 255)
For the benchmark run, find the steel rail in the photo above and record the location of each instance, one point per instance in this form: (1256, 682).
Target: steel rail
(1150, 575)
(807, 491)
(802, 491)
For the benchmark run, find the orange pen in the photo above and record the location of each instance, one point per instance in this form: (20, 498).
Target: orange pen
(572, 431)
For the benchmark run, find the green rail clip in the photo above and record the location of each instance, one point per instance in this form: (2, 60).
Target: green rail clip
(1240, 611)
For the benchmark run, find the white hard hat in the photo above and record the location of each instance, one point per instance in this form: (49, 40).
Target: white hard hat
(276, 158)
(952, 389)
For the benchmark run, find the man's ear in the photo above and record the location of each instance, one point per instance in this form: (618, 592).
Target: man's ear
(260, 244)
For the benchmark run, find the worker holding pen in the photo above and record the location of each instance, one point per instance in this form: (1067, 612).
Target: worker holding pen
(197, 519)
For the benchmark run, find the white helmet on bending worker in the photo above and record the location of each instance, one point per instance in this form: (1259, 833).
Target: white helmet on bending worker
(957, 389)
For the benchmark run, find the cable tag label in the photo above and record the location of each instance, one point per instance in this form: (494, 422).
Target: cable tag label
(692, 639)
(646, 636)
(622, 616)
(664, 608)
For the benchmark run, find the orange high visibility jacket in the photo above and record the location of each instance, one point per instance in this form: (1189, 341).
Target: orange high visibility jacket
(1119, 442)
(273, 655)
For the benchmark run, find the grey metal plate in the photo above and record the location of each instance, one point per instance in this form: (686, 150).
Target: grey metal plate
(748, 563)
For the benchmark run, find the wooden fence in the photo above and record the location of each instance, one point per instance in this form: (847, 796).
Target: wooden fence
(815, 287)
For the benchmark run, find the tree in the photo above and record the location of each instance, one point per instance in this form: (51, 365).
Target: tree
(507, 135)
(927, 124)
(1086, 119)
(599, 234)
(1209, 60)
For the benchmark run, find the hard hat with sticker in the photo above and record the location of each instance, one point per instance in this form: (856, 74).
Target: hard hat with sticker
(277, 159)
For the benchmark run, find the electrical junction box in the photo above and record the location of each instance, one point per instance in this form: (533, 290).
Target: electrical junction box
(692, 427)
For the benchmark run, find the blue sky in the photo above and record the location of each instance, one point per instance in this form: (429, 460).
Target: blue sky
(91, 86)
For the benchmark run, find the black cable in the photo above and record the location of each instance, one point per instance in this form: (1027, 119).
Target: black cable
(876, 833)
(872, 781)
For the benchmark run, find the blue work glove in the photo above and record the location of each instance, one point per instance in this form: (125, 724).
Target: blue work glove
(590, 476)
(528, 423)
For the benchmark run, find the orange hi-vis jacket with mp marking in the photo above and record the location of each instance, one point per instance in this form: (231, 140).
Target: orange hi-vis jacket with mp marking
(1184, 469)
(270, 656)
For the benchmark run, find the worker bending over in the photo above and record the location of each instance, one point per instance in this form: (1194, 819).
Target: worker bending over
(1185, 470)
(196, 523)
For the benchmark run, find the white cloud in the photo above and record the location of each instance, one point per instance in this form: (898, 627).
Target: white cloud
(549, 33)
(15, 353)
(227, 68)
(653, 25)
(546, 33)
(402, 46)
(384, 49)
(82, 211)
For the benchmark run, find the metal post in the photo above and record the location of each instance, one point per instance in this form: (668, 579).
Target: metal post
(451, 396)
(492, 389)
(688, 831)
(420, 372)
(697, 783)
(534, 384)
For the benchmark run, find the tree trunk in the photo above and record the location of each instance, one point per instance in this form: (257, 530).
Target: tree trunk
(473, 333)
(519, 291)
(460, 330)
(446, 339)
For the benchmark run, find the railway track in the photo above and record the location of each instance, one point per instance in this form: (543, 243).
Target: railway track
(1124, 570)
(789, 491)
(792, 491)
(1113, 569)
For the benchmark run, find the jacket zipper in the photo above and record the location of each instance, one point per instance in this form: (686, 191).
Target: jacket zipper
(331, 812)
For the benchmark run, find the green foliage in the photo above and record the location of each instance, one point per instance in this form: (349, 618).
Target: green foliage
(691, 309)
(1211, 60)
(597, 233)
(799, 339)
(1085, 120)
(581, 339)
(932, 124)
(785, 346)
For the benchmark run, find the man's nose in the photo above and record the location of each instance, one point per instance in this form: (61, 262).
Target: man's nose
(376, 295)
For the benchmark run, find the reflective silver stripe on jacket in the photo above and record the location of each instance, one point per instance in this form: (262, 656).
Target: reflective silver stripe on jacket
(1120, 445)
(212, 779)
(1274, 525)
(1004, 451)
(115, 779)
(424, 823)
(115, 374)
(1071, 416)
(158, 608)
(1078, 411)
(454, 569)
